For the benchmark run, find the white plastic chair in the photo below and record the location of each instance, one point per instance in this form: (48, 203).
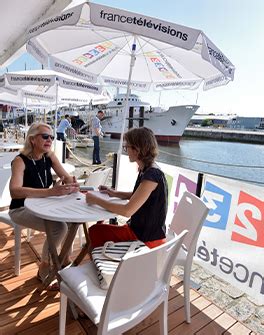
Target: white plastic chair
(5, 197)
(58, 149)
(134, 293)
(5, 200)
(98, 177)
(190, 214)
(95, 179)
(5, 218)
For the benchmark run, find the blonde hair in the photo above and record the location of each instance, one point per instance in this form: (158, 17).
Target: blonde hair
(33, 131)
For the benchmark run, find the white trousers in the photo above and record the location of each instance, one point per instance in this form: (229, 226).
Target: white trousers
(23, 217)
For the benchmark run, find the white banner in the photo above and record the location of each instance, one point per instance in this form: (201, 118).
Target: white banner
(70, 70)
(72, 100)
(79, 85)
(219, 80)
(68, 17)
(27, 79)
(38, 52)
(39, 96)
(147, 26)
(181, 84)
(135, 85)
(232, 239)
(217, 58)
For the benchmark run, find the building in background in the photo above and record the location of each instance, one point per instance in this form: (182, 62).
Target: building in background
(206, 120)
(246, 123)
(227, 121)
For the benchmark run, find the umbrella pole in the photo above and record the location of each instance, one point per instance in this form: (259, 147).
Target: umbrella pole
(132, 63)
(26, 117)
(56, 113)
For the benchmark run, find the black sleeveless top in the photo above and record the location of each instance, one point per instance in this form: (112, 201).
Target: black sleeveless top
(34, 176)
(148, 222)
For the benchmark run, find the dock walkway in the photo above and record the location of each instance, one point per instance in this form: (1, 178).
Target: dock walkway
(233, 135)
(24, 311)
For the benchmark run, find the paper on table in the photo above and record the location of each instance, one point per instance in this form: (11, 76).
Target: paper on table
(104, 196)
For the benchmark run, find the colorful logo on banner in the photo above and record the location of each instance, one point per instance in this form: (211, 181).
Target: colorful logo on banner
(218, 200)
(248, 225)
(238, 216)
(249, 221)
(101, 50)
(183, 184)
(162, 65)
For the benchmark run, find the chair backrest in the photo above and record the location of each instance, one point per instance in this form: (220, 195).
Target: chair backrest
(140, 283)
(99, 177)
(6, 159)
(58, 149)
(5, 198)
(190, 214)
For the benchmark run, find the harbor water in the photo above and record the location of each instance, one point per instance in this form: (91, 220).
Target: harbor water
(242, 161)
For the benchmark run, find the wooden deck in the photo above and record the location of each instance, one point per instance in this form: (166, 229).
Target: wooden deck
(26, 312)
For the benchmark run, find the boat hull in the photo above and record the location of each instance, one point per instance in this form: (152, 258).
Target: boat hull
(167, 126)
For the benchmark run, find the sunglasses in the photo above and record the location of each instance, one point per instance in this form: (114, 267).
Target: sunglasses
(46, 136)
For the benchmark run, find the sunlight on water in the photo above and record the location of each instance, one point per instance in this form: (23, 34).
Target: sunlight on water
(243, 154)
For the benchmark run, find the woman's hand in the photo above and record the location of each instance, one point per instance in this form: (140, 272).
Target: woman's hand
(75, 183)
(104, 189)
(91, 198)
(62, 189)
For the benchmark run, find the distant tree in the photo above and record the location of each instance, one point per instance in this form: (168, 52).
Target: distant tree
(207, 123)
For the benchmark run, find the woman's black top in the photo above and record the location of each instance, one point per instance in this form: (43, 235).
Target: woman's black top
(148, 223)
(33, 175)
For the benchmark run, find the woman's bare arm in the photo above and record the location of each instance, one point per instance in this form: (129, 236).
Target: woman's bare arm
(17, 190)
(113, 193)
(136, 201)
(60, 171)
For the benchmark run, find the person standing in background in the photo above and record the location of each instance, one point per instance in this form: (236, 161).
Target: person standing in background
(61, 130)
(96, 133)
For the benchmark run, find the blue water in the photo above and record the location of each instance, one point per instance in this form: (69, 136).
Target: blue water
(211, 152)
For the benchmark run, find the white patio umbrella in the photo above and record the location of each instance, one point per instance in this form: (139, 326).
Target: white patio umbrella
(48, 87)
(14, 97)
(16, 17)
(7, 98)
(128, 49)
(91, 40)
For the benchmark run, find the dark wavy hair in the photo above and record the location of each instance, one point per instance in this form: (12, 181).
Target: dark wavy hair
(143, 140)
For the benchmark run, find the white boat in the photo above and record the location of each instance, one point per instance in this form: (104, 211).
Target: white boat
(168, 126)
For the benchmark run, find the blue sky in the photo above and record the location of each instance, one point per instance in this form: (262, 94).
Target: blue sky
(235, 26)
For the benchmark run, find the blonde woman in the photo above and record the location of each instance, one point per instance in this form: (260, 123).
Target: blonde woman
(31, 178)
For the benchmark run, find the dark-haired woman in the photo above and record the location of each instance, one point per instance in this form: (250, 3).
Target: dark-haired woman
(147, 204)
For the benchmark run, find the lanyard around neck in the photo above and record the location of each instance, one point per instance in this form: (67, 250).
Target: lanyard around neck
(45, 172)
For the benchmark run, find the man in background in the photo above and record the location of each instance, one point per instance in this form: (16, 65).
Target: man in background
(96, 133)
(61, 130)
